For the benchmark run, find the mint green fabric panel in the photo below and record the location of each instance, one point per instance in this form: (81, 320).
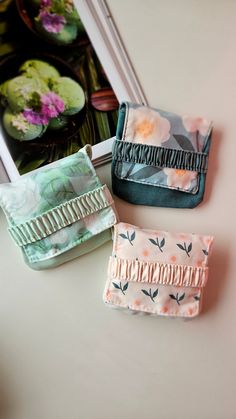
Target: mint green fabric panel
(58, 208)
(71, 236)
(42, 190)
(59, 217)
(79, 250)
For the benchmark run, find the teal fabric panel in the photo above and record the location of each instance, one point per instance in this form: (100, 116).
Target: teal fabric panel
(141, 194)
(121, 121)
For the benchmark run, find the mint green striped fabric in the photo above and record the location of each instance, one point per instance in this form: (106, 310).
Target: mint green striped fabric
(61, 216)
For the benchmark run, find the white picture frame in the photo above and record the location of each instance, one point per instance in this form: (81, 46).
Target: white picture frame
(111, 52)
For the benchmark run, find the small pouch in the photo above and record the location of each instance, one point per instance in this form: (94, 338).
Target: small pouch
(160, 158)
(157, 272)
(58, 212)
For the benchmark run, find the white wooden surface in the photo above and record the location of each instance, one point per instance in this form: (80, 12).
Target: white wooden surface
(63, 354)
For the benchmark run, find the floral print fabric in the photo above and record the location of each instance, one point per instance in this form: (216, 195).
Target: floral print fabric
(157, 272)
(145, 125)
(39, 192)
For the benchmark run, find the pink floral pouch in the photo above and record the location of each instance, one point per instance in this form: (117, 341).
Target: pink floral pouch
(157, 272)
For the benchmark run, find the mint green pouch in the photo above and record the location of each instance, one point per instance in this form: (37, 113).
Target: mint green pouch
(58, 212)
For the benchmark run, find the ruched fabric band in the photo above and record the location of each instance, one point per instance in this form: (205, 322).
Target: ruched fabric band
(61, 216)
(159, 156)
(157, 273)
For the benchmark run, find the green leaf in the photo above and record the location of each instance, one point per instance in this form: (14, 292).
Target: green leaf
(132, 237)
(153, 241)
(180, 246)
(123, 236)
(189, 247)
(32, 165)
(58, 190)
(102, 125)
(6, 48)
(172, 296)
(4, 5)
(184, 142)
(155, 293)
(162, 242)
(76, 169)
(125, 286)
(3, 28)
(181, 297)
(145, 173)
(35, 101)
(130, 169)
(146, 292)
(116, 285)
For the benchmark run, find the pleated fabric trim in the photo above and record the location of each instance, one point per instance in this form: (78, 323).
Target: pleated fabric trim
(61, 216)
(157, 273)
(159, 156)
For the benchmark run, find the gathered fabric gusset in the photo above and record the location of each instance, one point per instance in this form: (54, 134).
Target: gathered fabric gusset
(61, 216)
(160, 156)
(157, 273)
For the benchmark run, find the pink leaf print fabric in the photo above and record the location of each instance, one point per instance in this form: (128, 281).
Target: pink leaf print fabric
(157, 272)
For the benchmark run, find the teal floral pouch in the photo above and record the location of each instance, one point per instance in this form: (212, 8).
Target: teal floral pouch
(160, 158)
(58, 212)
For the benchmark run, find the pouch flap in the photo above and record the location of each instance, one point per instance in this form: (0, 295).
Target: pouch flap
(51, 210)
(61, 216)
(160, 148)
(162, 247)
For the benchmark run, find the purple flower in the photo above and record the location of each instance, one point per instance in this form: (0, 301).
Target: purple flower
(51, 21)
(52, 105)
(35, 118)
(45, 3)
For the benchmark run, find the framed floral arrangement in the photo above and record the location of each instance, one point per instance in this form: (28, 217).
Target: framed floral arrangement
(63, 71)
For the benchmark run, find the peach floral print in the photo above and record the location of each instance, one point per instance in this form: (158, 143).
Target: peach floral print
(200, 263)
(137, 303)
(145, 253)
(147, 126)
(196, 124)
(164, 309)
(108, 294)
(136, 285)
(177, 178)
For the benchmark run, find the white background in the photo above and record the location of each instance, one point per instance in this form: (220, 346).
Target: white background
(63, 354)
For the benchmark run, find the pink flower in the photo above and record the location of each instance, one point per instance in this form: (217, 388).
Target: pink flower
(52, 105)
(35, 118)
(51, 21)
(147, 126)
(196, 124)
(45, 3)
(180, 179)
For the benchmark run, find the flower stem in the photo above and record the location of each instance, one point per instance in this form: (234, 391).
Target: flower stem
(121, 289)
(129, 239)
(185, 247)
